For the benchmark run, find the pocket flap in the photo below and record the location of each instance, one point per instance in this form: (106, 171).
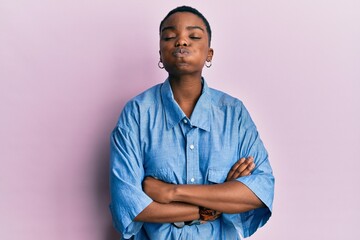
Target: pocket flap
(217, 175)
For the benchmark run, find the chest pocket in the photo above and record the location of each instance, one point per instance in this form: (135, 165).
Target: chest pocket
(216, 175)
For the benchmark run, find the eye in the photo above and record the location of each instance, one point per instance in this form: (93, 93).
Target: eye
(195, 37)
(168, 37)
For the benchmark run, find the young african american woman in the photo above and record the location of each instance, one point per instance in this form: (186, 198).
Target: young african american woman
(187, 161)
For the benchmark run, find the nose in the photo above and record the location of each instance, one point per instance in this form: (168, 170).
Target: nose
(181, 42)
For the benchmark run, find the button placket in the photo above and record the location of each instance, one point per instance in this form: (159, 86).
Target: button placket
(192, 156)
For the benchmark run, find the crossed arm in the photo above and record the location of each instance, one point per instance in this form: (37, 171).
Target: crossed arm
(177, 203)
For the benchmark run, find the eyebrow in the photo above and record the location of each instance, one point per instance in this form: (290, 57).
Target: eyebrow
(188, 28)
(168, 28)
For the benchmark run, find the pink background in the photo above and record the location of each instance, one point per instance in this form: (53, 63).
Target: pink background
(68, 67)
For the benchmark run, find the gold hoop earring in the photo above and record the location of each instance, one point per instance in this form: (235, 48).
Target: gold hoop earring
(208, 65)
(160, 65)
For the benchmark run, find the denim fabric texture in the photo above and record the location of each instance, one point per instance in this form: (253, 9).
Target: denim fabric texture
(153, 137)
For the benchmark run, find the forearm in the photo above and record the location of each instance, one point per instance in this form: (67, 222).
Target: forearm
(166, 213)
(228, 197)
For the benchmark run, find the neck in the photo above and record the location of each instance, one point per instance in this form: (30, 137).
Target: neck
(186, 90)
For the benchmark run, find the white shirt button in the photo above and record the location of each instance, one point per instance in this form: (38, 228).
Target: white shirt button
(185, 121)
(192, 180)
(192, 146)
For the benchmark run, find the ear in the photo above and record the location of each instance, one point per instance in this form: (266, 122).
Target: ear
(210, 55)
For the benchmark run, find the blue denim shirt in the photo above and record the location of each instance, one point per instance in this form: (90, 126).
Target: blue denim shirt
(153, 137)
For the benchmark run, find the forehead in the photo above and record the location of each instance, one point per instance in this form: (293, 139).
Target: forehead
(183, 19)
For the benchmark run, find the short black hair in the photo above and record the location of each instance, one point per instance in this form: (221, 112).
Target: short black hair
(190, 10)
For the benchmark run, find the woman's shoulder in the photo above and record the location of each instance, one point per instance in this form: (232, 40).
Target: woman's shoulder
(148, 96)
(223, 99)
(141, 103)
(145, 99)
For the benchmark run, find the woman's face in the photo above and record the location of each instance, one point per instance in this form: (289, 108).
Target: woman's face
(184, 44)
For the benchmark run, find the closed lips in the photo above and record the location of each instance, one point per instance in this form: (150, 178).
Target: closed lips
(180, 52)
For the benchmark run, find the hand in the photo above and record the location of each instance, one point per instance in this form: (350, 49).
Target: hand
(241, 168)
(158, 191)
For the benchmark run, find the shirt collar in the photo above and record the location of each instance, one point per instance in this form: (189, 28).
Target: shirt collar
(200, 117)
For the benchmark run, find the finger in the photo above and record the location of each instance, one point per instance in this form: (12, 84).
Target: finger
(251, 167)
(234, 168)
(248, 170)
(248, 161)
(246, 165)
(238, 168)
